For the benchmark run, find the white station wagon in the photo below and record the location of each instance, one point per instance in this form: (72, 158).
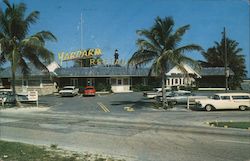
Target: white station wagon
(225, 101)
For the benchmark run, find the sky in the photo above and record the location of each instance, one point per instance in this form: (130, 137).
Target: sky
(112, 24)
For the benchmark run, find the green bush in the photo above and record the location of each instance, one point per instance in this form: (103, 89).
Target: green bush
(103, 87)
(141, 87)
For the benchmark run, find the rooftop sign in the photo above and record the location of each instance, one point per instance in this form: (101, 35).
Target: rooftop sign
(81, 54)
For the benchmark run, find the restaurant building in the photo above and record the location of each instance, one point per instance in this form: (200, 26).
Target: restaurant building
(114, 76)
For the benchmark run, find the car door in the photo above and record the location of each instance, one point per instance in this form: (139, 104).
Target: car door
(226, 102)
(217, 102)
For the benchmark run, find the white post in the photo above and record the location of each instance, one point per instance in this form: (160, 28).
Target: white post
(188, 102)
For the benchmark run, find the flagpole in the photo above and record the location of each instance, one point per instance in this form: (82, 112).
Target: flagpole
(81, 33)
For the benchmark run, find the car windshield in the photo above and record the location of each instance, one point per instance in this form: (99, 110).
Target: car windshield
(67, 88)
(89, 88)
(216, 97)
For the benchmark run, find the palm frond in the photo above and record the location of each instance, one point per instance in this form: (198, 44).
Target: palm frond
(45, 35)
(150, 37)
(188, 48)
(142, 57)
(32, 17)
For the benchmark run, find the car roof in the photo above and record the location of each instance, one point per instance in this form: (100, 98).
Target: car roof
(232, 94)
(89, 87)
(69, 87)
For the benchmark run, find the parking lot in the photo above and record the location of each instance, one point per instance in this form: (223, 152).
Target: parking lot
(109, 103)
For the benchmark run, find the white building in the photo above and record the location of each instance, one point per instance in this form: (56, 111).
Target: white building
(177, 77)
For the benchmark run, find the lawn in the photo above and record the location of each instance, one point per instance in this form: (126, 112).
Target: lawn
(13, 151)
(240, 125)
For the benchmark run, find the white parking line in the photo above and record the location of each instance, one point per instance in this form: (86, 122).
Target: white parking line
(232, 141)
(104, 108)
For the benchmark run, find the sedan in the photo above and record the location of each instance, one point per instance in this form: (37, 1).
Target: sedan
(68, 91)
(89, 91)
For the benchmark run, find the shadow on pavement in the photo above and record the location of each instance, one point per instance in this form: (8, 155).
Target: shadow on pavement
(134, 104)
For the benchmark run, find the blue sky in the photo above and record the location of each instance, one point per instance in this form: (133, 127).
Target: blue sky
(112, 24)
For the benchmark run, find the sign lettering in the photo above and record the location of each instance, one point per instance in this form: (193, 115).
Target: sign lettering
(79, 54)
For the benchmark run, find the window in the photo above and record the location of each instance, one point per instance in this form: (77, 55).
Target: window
(225, 97)
(119, 81)
(176, 81)
(243, 97)
(25, 83)
(216, 97)
(180, 81)
(125, 81)
(113, 81)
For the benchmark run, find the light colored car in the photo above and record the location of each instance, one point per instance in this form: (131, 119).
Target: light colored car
(225, 101)
(68, 91)
(175, 97)
(155, 92)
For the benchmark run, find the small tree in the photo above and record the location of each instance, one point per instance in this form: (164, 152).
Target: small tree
(159, 46)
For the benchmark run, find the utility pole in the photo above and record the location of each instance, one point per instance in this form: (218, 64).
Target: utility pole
(225, 52)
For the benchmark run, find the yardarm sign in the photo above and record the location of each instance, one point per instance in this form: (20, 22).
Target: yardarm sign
(81, 54)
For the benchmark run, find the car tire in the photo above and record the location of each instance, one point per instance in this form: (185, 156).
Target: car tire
(242, 108)
(208, 108)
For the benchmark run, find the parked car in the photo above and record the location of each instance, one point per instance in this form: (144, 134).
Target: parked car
(175, 97)
(68, 91)
(89, 91)
(225, 101)
(9, 95)
(154, 93)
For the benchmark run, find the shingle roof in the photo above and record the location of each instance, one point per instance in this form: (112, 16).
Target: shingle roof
(100, 71)
(6, 73)
(103, 71)
(218, 71)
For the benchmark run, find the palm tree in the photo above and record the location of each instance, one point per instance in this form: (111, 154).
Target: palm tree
(16, 46)
(159, 47)
(215, 57)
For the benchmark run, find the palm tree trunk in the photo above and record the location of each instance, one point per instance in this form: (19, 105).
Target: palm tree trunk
(13, 72)
(164, 100)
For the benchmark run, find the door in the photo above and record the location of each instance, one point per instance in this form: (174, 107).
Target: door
(225, 102)
(90, 82)
(119, 85)
(74, 82)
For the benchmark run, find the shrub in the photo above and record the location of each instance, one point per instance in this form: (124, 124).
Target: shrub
(103, 87)
(141, 87)
(188, 88)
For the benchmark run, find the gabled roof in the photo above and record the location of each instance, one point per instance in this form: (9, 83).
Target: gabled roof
(176, 71)
(100, 71)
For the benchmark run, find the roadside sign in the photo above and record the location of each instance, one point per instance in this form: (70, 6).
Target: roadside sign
(33, 96)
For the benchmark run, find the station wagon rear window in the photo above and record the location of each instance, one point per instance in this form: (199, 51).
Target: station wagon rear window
(240, 97)
(67, 88)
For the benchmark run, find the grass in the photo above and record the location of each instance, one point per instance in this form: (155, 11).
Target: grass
(13, 151)
(240, 125)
